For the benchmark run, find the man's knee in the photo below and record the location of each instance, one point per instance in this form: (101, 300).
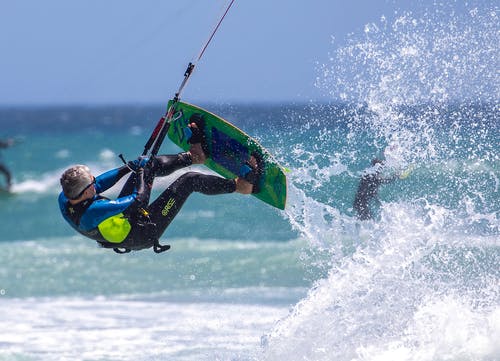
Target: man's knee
(188, 177)
(163, 165)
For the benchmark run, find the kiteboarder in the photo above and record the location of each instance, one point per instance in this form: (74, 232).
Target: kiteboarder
(130, 222)
(369, 184)
(3, 169)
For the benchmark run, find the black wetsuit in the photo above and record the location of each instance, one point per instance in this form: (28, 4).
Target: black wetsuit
(367, 192)
(130, 222)
(164, 209)
(3, 168)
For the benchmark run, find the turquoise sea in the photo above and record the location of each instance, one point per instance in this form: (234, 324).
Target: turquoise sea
(244, 281)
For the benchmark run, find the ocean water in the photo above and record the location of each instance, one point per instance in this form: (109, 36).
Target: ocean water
(243, 281)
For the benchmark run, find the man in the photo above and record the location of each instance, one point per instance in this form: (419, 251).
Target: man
(3, 169)
(368, 187)
(130, 222)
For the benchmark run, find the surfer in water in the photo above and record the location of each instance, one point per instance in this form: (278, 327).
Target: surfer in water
(131, 222)
(369, 184)
(3, 169)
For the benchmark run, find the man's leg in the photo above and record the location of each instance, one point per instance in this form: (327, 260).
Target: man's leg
(161, 166)
(164, 209)
(364, 212)
(5, 171)
(164, 165)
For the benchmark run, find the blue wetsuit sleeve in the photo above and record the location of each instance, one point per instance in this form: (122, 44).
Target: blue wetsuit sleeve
(110, 178)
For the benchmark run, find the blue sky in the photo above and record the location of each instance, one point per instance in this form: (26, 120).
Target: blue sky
(123, 51)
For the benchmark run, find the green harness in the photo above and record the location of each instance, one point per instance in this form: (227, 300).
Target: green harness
(115, 229)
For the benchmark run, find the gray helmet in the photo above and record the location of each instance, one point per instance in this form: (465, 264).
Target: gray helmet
(75, 179)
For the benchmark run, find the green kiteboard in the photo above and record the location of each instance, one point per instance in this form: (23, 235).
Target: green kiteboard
(229, 148)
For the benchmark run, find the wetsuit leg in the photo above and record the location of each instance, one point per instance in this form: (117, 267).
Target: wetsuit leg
(362, 206)
(364, 212)
(164, 209)
(161, 166)
(164, 165)
(5, 171)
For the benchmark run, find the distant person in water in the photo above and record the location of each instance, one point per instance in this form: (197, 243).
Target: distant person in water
(367, 192)
(130, 222)
(6, 143)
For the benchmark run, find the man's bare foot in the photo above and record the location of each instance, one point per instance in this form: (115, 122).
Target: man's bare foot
(242, 185)
(197, 154)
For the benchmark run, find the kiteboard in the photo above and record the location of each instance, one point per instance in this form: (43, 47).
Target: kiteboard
(229, 147)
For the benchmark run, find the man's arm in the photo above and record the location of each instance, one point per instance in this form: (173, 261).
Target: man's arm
(389, 179)
(110, 178)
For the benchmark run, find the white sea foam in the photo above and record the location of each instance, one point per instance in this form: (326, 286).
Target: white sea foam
(112, 329)
(391, 301)
(420, 282)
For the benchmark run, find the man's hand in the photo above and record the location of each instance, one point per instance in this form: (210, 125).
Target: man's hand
(138, 164)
